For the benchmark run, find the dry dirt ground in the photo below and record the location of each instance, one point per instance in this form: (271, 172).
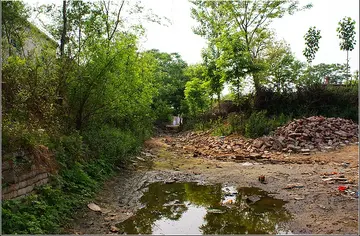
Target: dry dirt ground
(317, 208)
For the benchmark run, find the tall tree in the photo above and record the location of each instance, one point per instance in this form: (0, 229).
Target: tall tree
(213, 72)
(197, 96)
(312, 38)
(170, 80)
(282, 68)
(346, 34)
(64, 30)
(234, 61)
(250, 18)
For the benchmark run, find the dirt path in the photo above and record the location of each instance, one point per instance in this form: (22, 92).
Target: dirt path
(318, 207)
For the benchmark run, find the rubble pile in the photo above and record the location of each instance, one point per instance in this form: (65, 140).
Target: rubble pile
(315, 133)
(307, 135)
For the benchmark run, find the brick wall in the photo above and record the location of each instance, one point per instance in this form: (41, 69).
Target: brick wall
(20, 179)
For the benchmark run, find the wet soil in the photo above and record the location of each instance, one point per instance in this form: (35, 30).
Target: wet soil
(315, 206)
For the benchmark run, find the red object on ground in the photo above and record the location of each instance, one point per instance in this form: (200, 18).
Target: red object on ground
(342, 188)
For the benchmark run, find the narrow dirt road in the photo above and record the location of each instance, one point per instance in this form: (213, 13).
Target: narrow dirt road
(313, 199)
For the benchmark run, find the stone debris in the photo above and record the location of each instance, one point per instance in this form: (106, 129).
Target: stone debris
(295, 185)
(303, 136)
(114, 229)
(94, 207)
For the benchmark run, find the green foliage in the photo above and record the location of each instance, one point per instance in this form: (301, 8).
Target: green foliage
(14, 22)
(279, 120)
(249, 28)
(170, 80)
(282, 70)
(346, 33)
(78, 179)
(336, 73)
(235, 61)
(29, 89)
(40, 213)
(354, 81)
(317, 99)
(212, 71)
(221, 127)
(312, 38)
(257, 125)
(92, 108)
(21, 136)
(237, 122)
(196, 95)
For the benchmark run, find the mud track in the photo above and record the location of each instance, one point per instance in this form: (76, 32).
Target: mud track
(317, 208)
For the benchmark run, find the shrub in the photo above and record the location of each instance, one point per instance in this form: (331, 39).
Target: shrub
(328, 101)
(21, 136)
(257, 125)
(221, 127)
(277, 121)
(237, 122)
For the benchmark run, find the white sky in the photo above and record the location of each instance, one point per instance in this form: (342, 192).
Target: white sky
(325, 15)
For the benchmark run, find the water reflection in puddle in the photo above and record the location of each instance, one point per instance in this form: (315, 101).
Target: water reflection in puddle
(189, 208)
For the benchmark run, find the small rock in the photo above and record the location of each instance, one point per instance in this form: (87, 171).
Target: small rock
(94, 207)
(255, 155)
(258, 143)
(295, 185)
(114, 229)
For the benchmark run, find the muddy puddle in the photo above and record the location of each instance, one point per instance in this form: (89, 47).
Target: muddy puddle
(190, 208)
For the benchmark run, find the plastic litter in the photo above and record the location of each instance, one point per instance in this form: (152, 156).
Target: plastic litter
(342, 188)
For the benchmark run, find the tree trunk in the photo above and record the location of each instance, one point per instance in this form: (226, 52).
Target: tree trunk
(61, 85)
(256, 83)
(63, 33)
(347, 66)
(218, 95)
(238, 90)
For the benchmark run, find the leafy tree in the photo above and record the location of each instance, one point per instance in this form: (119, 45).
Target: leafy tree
(250, 18)
(282, 68)
(234, 61)
(312, 38)
(213, 71)
(346, 33)
(170, 81)
(335, 73)
(196, 71)
(197, 96)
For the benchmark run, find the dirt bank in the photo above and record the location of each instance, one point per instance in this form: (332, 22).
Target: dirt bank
(317, 206)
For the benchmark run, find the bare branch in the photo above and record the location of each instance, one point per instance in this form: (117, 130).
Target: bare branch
(117, 20)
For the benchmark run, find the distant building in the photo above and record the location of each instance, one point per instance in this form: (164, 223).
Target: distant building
(34, 42)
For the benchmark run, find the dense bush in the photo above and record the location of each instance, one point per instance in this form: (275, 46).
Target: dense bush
(84, 164)
(328, 101)
(257, 125)
(237, 122)
(221, 127)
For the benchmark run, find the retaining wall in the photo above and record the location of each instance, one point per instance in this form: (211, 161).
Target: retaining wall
(20, 179)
